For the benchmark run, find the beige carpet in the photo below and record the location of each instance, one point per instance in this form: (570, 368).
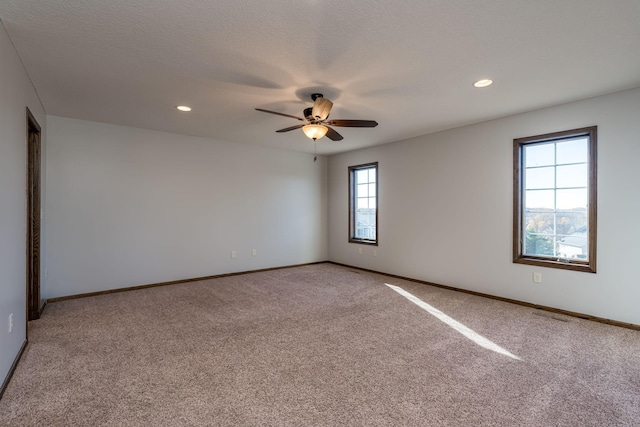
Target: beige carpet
(318, 345)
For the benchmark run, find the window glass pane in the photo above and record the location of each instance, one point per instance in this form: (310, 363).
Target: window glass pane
(539, 155)
(361, 175)
(571, 199)
(372, 190)
(372, 203)
(575, 246)
(363, 190)
(366, 233)
(571, 223)
(572, 176)
(539, 222)
(535, 244)
(572, 151)
(365, 223)
(540, 177)
(539, 199)
(363, 203)
(372, 175)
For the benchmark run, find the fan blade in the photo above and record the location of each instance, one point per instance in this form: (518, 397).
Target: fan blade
(290, 128)
(333, 135)
(321, 108)
(280, 114)
(353, 123)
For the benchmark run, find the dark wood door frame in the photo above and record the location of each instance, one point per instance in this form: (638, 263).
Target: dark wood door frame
(34, 308)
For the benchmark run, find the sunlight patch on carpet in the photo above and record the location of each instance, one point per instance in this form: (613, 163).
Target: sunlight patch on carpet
(468, 333)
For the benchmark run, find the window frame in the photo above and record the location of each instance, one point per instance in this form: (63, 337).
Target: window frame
(352, 204)
(518, 195)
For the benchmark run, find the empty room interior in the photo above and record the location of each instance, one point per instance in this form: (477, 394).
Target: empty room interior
(319, 212)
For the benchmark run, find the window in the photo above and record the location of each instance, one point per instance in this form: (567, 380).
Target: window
(363, 204)
(554, 221)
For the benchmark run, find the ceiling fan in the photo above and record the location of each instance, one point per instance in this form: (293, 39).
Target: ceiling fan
(316, 120)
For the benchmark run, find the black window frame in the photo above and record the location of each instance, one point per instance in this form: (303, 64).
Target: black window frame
(353, 204)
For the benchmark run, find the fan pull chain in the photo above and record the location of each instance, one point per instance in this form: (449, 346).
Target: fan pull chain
(315, 151)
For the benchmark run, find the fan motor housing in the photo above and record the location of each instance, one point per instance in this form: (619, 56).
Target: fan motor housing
(307, 112)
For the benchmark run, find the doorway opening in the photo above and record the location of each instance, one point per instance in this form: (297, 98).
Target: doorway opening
(34, 306)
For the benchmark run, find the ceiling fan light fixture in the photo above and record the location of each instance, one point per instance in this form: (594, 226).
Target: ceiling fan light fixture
(315, 132)
(321, 108)
(315, 124)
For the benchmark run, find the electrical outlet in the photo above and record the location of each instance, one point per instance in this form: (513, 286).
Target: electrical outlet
(254, 252)
(375, 252)
(359, 250)
(233, 254)
(537, 277)
(11, 323)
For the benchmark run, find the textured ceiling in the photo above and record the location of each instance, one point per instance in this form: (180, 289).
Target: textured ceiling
(408, 64)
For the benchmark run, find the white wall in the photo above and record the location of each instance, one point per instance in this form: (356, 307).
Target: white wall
(16, 93)
(130, 207)
(445, 209)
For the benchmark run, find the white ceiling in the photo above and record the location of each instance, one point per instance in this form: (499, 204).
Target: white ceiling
(408, 64)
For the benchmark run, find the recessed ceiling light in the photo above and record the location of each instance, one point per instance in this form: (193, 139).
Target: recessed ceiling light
(483, 83)
(183, 108)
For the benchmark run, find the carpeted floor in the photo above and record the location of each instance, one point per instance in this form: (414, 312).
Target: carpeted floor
(319, 345)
